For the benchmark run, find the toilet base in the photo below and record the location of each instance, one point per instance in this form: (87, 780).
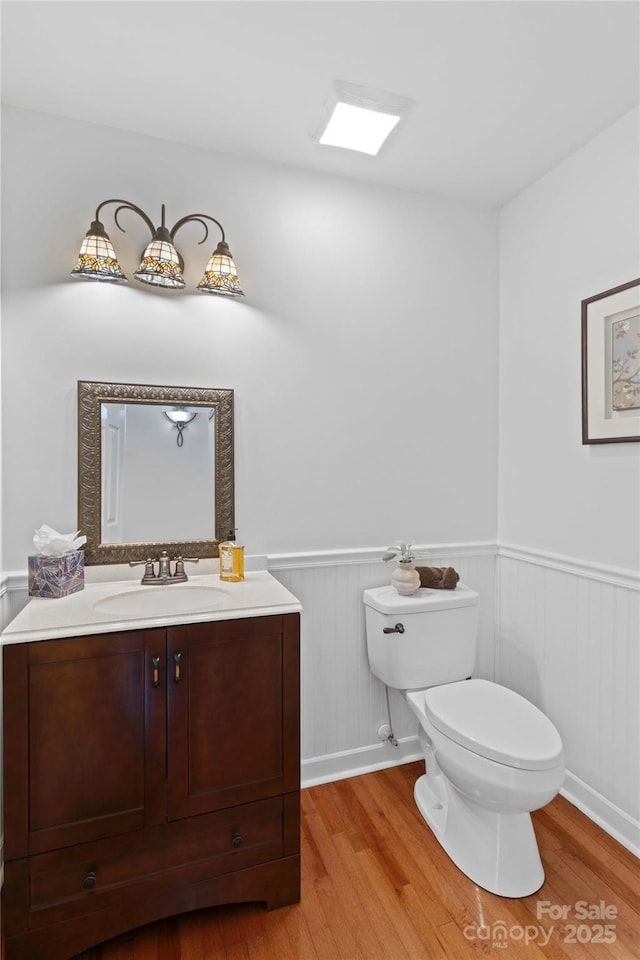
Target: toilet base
(498, 851)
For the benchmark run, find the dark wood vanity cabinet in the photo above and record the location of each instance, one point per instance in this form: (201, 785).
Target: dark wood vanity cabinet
(147, 773)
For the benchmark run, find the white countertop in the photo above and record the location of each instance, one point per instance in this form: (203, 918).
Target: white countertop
(86, 612)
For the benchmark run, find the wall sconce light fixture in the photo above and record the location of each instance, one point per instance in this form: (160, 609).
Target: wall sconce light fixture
(180, 417)
(161, 263)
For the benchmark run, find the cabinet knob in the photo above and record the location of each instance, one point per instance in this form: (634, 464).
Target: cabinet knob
(236, 840)
(89, 881)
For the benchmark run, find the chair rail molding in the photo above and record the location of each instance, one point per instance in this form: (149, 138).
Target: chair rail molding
(617, 576)
(331, 558)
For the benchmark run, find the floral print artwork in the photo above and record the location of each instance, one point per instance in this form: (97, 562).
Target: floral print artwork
(625, 359)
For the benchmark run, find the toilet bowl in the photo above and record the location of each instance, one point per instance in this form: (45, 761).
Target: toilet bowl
(491, 756)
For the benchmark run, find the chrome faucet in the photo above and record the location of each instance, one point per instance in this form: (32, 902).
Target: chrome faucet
(164, 575)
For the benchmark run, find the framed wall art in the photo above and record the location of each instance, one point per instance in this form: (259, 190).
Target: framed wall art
(611, 365)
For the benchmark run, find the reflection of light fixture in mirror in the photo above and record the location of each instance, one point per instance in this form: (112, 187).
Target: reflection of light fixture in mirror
(180, 417)
(161, 264)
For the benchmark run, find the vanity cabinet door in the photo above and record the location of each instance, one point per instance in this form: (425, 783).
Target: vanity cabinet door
(233, 702)
(84, 739)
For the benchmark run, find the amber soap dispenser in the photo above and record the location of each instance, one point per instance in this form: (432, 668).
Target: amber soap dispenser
(231, 559)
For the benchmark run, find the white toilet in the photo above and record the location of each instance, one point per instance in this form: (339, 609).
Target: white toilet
(491, 756)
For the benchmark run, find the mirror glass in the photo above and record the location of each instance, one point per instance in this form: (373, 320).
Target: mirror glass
(155, 470)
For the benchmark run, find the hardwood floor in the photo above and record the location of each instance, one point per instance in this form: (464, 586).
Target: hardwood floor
(377, 886)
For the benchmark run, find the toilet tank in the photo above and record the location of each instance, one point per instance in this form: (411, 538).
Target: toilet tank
(438, 644)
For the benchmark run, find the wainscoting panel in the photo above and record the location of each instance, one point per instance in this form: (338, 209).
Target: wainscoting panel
(562, 633)
(13, 596)
(567, 639)
(343, 704)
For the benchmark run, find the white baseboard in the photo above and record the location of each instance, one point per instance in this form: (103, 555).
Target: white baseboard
(353, 763)
(612, 819)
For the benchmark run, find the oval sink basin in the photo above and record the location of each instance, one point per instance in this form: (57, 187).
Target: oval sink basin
(162, 601)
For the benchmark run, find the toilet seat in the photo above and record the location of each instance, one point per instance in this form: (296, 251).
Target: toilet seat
(495, 723)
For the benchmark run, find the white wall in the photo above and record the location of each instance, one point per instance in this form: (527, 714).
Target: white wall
(364, 359)
(569, 519)
(573, 234)
(365, 365)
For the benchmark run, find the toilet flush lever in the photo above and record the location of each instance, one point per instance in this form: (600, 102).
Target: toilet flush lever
(399, 628)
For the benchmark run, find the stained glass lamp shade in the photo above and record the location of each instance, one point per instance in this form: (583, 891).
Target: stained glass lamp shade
(97, 259)
(220, 276)
(160, 265)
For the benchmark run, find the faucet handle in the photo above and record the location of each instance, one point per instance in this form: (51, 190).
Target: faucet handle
(149, 569)
(179, 572)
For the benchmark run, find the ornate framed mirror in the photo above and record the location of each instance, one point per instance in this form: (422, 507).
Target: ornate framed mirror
(155, 470)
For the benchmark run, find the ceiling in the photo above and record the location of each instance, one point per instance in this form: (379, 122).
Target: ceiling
(501, 91)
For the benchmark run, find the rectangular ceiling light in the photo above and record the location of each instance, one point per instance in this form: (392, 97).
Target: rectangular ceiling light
(360, 118)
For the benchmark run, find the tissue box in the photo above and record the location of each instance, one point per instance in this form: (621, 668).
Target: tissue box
(57, 576)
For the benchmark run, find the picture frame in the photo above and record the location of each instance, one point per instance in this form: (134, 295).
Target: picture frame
(611, 365)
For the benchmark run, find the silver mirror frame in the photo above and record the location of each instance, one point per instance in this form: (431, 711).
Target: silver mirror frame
(90, 397)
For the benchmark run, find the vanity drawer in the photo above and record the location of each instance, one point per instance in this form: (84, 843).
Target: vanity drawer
(52, 887)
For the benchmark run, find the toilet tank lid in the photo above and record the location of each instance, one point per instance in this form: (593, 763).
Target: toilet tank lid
(387, 599)
(495, 722)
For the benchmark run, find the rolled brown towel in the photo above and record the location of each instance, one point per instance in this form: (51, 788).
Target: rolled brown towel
(438, 578)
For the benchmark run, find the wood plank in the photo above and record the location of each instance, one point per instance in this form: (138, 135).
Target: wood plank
(601, 852)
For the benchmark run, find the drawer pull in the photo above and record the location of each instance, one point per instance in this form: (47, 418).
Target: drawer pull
(177, 676)
(155, 673)
(89, 881)
(236, 841)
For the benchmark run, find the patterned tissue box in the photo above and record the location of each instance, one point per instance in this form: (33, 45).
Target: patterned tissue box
(57, 576)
